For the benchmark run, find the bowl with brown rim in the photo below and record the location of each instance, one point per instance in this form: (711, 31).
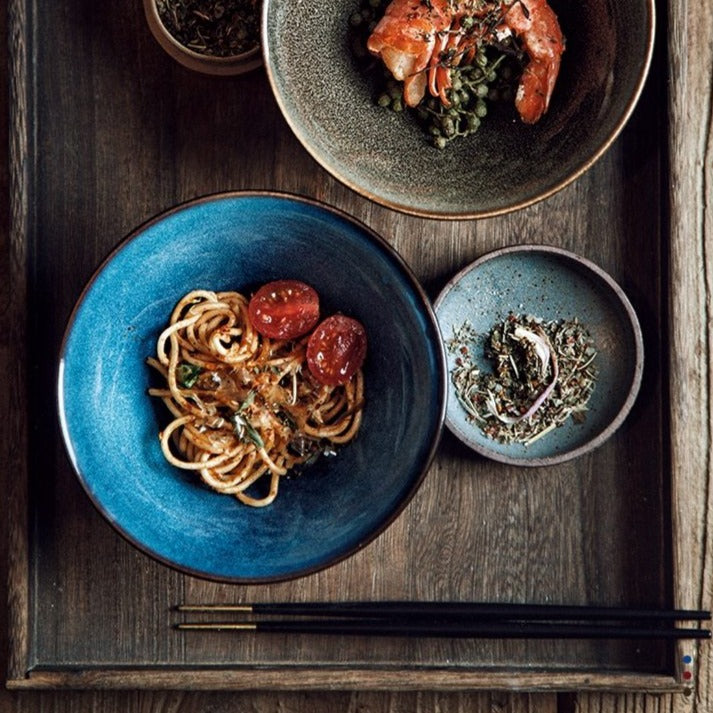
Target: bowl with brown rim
(222, 41)
(555, 287)
(331, 104)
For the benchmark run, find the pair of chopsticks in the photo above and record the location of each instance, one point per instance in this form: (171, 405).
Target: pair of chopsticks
(453, 619)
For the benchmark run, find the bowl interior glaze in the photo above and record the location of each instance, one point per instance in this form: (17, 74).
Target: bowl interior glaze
(110, 424)
(551, 284)
(329, 104)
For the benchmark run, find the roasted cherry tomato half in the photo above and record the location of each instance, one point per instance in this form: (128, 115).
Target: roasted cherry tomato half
(284, 309)
(336, 349)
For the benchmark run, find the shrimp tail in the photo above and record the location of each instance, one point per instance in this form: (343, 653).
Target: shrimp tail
(536, 26)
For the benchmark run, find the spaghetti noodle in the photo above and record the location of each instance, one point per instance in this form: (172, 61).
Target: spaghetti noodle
(244, 406)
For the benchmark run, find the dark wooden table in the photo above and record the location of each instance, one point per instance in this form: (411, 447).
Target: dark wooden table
(137, 96)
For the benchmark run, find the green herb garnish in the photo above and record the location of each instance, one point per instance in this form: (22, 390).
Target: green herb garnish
(245, 431)
(188, 374)
(542, 374)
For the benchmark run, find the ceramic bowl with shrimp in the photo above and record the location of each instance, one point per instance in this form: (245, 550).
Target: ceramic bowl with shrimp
(454, 110)
(111, 422)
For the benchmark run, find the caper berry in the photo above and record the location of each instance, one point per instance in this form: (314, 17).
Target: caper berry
(473, 122)
(467, 22)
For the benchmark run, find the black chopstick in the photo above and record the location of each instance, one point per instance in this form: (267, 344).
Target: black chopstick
(481, 611)
(450, 629)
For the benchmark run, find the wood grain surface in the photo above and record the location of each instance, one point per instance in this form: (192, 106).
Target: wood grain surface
(96, 92)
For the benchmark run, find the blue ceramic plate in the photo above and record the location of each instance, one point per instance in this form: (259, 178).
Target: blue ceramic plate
(552, 284)
(238, 241)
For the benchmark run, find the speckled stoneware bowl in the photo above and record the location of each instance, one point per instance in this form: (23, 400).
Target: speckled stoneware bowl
(506, 165)
(198, 62)
(237, 242)
(552, 284)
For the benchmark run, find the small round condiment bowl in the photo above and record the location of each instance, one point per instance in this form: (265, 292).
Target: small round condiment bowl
(206, 64)
(551, 284)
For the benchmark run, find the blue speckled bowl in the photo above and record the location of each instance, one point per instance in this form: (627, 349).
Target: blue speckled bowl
(553, 284)
(110, 424)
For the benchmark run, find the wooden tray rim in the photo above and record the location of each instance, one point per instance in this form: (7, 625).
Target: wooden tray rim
(24, 674)
(344, 678)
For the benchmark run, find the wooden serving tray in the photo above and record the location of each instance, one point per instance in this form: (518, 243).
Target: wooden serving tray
(106, 131)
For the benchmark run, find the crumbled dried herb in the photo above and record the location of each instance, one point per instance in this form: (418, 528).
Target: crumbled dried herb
(542, 374)
(218, 28)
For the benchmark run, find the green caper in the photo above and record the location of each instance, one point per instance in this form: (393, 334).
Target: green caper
(397, 104)
(439, 142)
(356, 19)
(473, 122)
(475, 74)
(481, 109)
(481, 91)
(384, 100)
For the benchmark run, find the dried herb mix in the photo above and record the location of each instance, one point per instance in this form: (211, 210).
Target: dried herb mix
(543, 373)
(217, 28)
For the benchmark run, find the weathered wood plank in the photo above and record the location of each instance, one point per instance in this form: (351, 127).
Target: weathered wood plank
(176, 160)
(690, 53)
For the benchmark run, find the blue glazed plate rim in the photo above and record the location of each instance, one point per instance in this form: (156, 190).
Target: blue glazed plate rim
(428, 313)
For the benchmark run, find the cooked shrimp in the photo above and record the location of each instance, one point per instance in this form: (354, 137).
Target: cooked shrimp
(539, 31)
(406, 37)
(419, 41)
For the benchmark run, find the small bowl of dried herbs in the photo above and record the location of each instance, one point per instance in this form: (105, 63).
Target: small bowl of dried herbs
(210, 36)
(545, 355)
